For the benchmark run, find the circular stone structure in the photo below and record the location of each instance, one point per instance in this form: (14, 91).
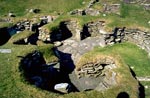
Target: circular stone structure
(98, 75)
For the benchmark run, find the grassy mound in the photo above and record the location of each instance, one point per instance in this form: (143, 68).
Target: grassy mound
(125, 80)
(21, 36)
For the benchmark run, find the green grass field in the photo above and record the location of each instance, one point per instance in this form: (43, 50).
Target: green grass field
(22, 7)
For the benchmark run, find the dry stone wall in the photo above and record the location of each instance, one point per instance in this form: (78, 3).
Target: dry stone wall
(111, 8)
(138, 37)
(44, 34)
(88, 10)
(97, 75)
(95, 28)
(94, 69)
(74, 28)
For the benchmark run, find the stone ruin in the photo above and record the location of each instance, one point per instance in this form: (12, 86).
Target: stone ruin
(50, 76)
(138, 37)
(136, 1)
(32, 24)
(97, 75)
(91, 3)
(88, 10)
(66, 29)
(71, 29)
(146, 6)
(94, 69)
(29, 25)
(94, 28)
(44, 35)
(117, 36)
(107, 8)
(111, 8)
(91, 29)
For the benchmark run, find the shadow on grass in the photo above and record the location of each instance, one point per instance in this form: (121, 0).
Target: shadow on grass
(141, 87)
(123, 95)
(4, 36)
(46, 76)
(60, 33)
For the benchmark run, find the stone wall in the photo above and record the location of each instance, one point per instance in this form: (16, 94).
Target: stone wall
(95, 28)
(91, 3)
(117, 36)
(94, 69)
(74, 28)
(138, 37)
(29, 24)
(146, 6)
(91, 29)
(88, 10)
(97, 75)
(111, 8)
(137, 1)
(44, 34)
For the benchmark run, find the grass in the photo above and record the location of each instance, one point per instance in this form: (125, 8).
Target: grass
(22, 7)
(132, 55)
(20, 36)
(147, 90)
(4, 24)
(47, 52)
(12, 84)
(131, 16)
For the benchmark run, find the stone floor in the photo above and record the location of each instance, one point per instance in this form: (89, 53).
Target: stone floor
(78, 48)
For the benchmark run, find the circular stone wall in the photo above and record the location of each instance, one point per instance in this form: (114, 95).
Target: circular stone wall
(98, 75)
